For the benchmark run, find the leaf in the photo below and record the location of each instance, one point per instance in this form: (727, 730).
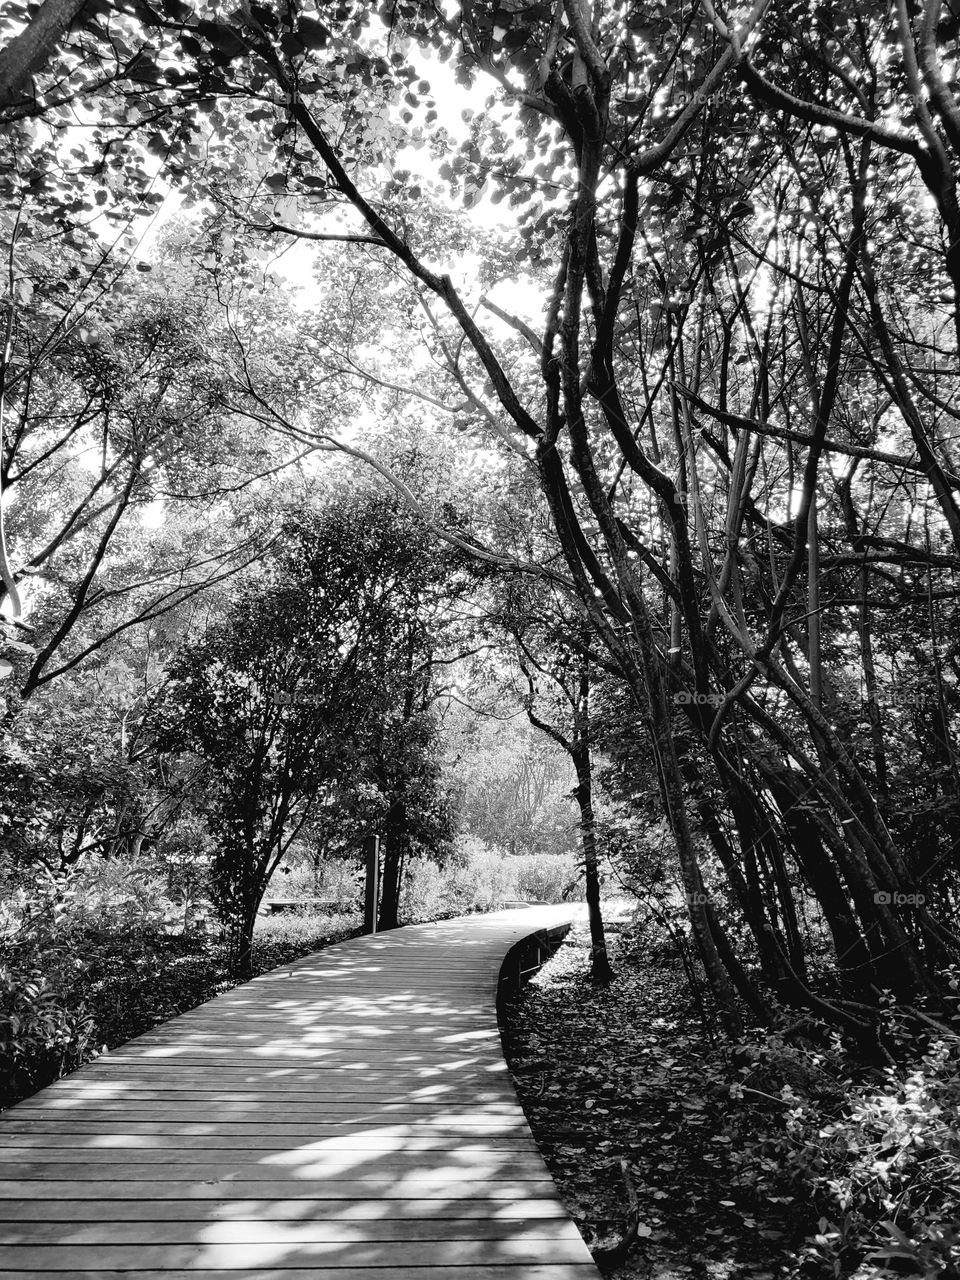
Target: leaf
(222, 38)
(313, 33)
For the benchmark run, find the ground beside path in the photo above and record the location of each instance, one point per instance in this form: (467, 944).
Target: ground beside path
(627, 1074)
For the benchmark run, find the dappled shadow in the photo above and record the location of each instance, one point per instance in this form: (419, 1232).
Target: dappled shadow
(350, 1111)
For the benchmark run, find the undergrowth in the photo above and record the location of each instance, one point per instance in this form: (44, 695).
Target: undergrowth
(681, 1156)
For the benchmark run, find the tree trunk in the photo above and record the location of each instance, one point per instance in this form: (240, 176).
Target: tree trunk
(241, 941)
(391, 877)
(601, 971)
(28, 52)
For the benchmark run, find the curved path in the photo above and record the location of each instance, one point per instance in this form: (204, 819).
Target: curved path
(346, 1115)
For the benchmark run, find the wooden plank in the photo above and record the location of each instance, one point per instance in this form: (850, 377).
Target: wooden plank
(267, 1056)
(279, 1106)
(263, 1230)
(104, 1191)
(208, 1089)
(306, 1070)
(521, 1208)
(249, 1257)
(373, 1167)
(255, 1020)
(310, 1038)
(483, 1271)
(254, 1142)
(349, 1115)
(167, 1123)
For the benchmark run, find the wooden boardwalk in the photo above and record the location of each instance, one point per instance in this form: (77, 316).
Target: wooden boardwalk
(348, 1114)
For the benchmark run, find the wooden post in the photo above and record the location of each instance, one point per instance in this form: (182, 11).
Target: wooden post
(371, 898)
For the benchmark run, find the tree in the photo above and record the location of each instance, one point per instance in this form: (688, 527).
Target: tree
(554, 654)
(314, 679)
(118, 433)
(257, 712)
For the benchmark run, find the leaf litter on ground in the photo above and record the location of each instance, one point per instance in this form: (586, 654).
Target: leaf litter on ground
(629, 1100)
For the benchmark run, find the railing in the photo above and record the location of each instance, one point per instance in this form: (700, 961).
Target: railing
(527, 957)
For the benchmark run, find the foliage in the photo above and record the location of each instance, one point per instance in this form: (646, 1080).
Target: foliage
(308, 702)
(118, 412)
(879, 1163)
(42, 1034)
(547, 877)
(477, 877)
(303, 878)
(513, 787)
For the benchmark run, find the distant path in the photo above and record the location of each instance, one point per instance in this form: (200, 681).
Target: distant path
(345, 1115)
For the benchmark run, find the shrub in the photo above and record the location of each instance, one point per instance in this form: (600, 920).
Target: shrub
(122, 891)
(486, 880)
(42, 1035)
(880, 1164)
(425, 892)
(338, 882)
(291, 934)
(543, 877)
(476, 877)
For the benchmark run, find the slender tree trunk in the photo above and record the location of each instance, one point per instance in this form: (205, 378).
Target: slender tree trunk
(747, 893)
(601, 970)
(241, 941)
(853, 956)
(675, 806)
(873, 697)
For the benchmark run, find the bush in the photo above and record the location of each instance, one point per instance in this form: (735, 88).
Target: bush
(544, 877)
(42, 1035)
(474, 878)
(484, 880)
(118, 892)
(339, 882)
(425, 892)
(478, 877)
(880, 1165)
(280, 938)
